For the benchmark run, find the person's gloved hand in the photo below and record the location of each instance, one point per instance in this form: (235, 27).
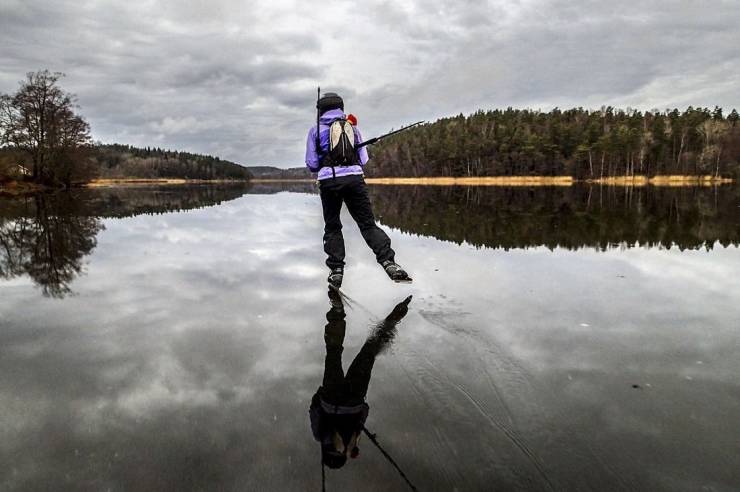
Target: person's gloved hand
(401, 309)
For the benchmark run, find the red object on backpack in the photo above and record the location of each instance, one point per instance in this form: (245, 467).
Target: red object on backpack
(352, 119)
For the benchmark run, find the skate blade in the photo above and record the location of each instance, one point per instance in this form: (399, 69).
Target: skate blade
(404, 281)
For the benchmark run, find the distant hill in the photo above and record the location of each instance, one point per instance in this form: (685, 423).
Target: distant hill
(270, 172)
(125, 161)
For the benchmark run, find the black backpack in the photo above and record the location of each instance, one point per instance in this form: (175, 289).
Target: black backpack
(342, 150)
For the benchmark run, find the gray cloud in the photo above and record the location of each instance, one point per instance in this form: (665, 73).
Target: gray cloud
(238, 80)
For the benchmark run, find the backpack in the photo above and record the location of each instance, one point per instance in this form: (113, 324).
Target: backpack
(341, 145)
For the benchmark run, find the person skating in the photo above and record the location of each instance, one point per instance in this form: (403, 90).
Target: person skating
(331, 152)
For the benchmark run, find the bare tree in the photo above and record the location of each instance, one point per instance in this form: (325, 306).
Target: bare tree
(40, 120)
(712, 133)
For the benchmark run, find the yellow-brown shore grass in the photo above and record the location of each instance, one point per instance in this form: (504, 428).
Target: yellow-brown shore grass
(478, 181)
(662, 180)
(279, 180)
(105, 182)
(638, 180)
(21, 188)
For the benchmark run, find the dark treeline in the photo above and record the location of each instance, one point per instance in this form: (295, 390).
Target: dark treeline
(43, 140)
(270, 172)
(570, 217)
(575, 142)
(125, 161)
(272, 188)
(47, 235)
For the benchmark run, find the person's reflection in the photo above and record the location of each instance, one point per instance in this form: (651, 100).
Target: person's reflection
(338, 409)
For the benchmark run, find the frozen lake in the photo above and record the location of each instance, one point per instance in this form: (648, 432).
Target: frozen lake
(558, 339)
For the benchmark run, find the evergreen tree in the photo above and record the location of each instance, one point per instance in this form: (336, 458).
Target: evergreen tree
(576, 142)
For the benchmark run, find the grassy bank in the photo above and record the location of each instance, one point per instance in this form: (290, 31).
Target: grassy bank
(663, 180)
(478, 181)
(107, 182)
(22, 187)
(638, 180)
(13, 188)
(282, 180)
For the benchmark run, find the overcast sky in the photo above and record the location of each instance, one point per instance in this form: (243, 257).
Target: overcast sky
(238, 79)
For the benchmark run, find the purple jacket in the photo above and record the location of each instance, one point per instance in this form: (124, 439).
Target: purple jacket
(322, 413)
(312, 158)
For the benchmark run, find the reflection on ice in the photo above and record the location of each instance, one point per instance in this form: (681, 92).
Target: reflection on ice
(46, 236)
(184, 360)
(339, 408)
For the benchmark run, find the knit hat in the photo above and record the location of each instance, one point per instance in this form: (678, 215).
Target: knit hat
(329, 100)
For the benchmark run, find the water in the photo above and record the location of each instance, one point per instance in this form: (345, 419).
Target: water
(557, 339)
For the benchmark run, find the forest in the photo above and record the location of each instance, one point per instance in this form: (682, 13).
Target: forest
(125, 161)
(576, 142)
(43, 140)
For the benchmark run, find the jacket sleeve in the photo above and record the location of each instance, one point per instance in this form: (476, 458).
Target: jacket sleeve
(362, 153)
(363, 414)
(314, 413)
(312, 157)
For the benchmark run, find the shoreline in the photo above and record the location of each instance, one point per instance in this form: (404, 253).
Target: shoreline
(477, 181)
(663, 180)
(637, 180)
(19, 188)
(281, 180)
(16, 188)
(110, 182)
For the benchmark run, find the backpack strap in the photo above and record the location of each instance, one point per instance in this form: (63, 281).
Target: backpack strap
(322, 158)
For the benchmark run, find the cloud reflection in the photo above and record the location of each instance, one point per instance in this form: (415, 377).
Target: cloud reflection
(189, 354)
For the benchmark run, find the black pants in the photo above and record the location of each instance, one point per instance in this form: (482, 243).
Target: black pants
(349, 389)
(338, 388)
(351, 190)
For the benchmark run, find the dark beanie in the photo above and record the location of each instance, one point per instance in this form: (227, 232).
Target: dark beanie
(329, 100)
(331, 457)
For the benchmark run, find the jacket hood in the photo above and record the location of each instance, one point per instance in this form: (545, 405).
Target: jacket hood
(331, 115)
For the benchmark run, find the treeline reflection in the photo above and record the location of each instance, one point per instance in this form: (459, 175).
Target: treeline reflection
(47, 243)
(572, 217)
(46, 236)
